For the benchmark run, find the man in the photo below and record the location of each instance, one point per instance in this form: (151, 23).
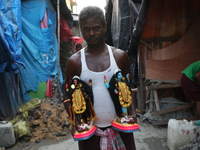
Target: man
(94, 62)
(190, 82)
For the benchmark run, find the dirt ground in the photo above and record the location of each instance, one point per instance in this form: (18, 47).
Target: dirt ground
(50, 130)
(148, 138)
(45, 120)
(51, 123)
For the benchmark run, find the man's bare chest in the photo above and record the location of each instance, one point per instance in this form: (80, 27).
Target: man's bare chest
(99, 63)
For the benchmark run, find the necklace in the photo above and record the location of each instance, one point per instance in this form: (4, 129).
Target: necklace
(124, 94)
(78, 100)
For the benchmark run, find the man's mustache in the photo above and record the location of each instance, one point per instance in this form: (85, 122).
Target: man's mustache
(90, 38)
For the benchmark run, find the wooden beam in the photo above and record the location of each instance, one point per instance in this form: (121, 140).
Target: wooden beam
(169, 102)
(163, 80)
(161, 39)
(163, 86)
(155, 94)
(172, 109)
(147, 45)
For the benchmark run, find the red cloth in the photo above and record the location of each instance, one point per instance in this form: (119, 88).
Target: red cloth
(77, 40)
(190, 89)
(65, 30)
(66, 33)
(49, 89)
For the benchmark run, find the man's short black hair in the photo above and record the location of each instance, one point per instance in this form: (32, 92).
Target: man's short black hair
(92, 12)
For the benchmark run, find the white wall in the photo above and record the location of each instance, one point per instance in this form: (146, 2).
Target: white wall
(84, 3)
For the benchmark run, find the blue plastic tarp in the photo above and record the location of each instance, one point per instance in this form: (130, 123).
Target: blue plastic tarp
(10, 57)
(10, 36)
(10, 95)
(28, 51)
(39, 44)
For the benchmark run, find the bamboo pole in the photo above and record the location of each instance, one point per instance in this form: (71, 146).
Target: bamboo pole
(58, 36)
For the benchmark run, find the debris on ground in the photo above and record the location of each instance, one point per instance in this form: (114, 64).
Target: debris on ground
(47, 121)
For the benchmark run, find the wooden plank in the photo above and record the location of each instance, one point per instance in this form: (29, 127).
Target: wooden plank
(163, 86)
(163, 80)
(151, 101)
(155, 94)
(168, 110)
(164, 122)
(145, 59)
(156, 100)
(146, 45)
(162, 39)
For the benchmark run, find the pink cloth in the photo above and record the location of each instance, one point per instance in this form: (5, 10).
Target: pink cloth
(44, 22)
(110, 139)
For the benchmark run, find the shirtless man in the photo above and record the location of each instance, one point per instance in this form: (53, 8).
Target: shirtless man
(94, 62)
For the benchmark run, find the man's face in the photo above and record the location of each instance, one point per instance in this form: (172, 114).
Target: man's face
(92, 30)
